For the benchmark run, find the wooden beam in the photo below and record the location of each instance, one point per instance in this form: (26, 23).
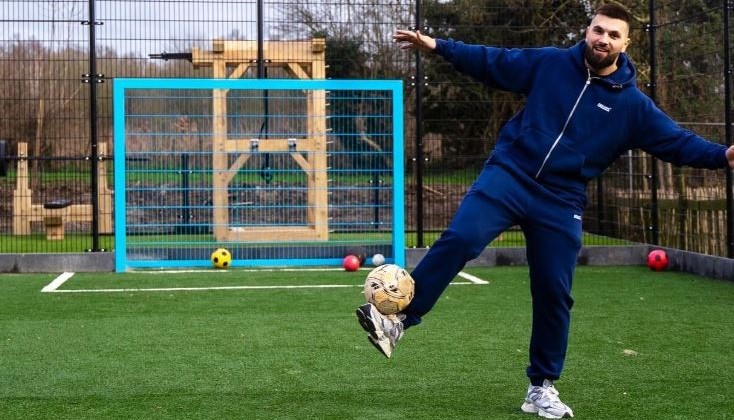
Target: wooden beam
(276, 233)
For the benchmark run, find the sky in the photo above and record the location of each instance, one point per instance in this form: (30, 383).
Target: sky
(143, 27)
(140, 27)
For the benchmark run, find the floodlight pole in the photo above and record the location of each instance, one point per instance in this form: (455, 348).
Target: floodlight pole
(727, 130)
(652, 85)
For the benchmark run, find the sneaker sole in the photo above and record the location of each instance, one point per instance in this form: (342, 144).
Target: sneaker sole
(547, 415)
(529, 408)
(363, 315)
(382, 344)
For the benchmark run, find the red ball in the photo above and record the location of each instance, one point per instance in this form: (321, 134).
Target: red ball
(351, 263)
(657, 260)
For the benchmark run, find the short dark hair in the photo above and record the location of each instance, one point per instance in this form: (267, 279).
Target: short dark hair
(614, 11)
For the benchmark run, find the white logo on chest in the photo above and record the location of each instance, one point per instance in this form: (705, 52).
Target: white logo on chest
(603, 107)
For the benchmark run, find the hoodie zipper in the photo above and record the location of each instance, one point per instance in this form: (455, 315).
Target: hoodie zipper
(563, 130)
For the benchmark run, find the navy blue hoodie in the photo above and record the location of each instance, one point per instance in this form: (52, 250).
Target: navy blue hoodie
(574, 123)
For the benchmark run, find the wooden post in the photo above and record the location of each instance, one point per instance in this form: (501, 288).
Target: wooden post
(104, 194)
(297, 57)
(318, 191)
(54, 227)
(220, 165)
(22, 194)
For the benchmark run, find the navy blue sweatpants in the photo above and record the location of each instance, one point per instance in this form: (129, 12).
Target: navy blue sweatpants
(496, 201)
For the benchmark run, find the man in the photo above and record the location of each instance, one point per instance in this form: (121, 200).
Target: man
(583, 110)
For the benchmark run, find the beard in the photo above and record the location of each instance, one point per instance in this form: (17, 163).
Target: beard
(599, 63)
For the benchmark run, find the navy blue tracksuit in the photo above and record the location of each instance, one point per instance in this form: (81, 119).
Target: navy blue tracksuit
(573, 126)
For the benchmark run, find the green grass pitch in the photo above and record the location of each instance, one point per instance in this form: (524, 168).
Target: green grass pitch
(644, 345)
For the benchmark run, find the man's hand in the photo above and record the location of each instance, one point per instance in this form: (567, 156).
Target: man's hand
(414, 40)
(730, 156)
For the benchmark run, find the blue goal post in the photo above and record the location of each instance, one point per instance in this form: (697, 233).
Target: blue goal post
(281, 172)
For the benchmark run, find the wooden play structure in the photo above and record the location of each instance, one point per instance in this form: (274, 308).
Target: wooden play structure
(54, 214)
(303, 60)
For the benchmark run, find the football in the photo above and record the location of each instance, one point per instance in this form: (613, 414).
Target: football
(359, 252)
(390, 288)
(351, 263)
(657, 260)
(378, 260)
(221, 258)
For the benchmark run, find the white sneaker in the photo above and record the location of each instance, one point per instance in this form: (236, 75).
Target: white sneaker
(544, 401)
(384, 330)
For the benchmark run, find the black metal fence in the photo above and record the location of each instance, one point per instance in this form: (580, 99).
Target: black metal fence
(57, 60)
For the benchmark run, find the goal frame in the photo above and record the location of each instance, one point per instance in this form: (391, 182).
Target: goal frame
(122, 85)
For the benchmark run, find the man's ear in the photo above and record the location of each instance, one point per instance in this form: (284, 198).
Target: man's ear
(626, 44)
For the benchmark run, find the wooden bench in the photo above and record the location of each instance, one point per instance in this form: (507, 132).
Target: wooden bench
(54, 223)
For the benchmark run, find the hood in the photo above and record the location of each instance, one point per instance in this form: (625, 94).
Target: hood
(623, 77)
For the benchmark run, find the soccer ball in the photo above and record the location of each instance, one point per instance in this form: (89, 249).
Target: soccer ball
(378, 260)
(389, 288)
(350, 263)
(657, 260)
(221, 258)
(359, 252)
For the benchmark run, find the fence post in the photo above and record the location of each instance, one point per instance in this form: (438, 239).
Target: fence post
(600, 216)
(266, 172)
(419, 158)
(727, 129)
(650, 28)
(93, 78)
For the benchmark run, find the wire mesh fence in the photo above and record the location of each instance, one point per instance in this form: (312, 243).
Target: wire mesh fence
(58, 60)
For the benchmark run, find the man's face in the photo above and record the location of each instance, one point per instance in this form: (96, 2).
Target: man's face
(606, 38)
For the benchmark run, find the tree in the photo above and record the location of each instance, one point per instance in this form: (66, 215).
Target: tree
(466, 113)
(358, 46)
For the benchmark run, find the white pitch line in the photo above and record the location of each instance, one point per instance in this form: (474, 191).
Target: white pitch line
(194, 289)
(238, 270)
(473, 279)
(58, 281)
(199, 289)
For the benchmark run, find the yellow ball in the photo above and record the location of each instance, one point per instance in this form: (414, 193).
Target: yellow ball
(221, 258)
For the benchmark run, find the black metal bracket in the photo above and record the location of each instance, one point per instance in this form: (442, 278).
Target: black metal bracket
(171, 56)
(412, 81)
(97, 78)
